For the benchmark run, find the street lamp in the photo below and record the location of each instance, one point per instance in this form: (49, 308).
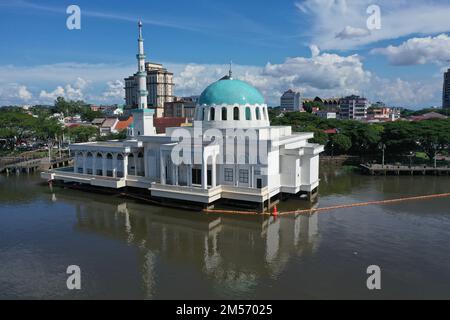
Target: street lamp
(382, 147)
(410, 159)
(435, 146)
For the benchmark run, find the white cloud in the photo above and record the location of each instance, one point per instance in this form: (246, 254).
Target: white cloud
(348, 18)
(418, 51)
(350, 32)
(14, 92)
(322, 74)
(69, 91)
(115, 90)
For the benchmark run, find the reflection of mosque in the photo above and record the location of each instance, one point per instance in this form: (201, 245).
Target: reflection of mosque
(233, 252)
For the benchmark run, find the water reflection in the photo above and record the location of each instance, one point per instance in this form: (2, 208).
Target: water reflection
(233, 252)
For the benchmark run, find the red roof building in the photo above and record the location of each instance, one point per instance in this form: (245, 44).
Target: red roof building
(123, 124)
(168, 122)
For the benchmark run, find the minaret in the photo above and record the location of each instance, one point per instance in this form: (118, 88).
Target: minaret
(142, 116)
(142, 74)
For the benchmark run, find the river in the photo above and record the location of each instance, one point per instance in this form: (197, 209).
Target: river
(130, 250)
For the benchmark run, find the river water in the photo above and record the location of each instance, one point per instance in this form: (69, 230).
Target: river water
(129, 250)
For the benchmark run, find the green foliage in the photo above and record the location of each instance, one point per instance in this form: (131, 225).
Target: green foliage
(114, 136)
(340, 143)
(82, 133)
(363, 139)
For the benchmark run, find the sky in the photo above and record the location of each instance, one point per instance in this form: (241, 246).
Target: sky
(393, 51)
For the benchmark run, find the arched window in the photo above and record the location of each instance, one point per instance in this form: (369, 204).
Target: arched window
(203, 114)
(109, 156)
(99, 155)
(140, 155)
(224, 113)
(248, 115)
(258, 114)
(235, 113)
(89, 155)
(130, 156)
(119, 156)
(212, 114)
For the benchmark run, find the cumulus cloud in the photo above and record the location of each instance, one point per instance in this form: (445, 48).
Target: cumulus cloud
(69, 91)
(321, 74)
(115, 90)
(418, 51)
(11, 92)
(348, 19)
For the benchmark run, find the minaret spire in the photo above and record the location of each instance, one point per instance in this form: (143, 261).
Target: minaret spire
(141, 74)
(142, 116)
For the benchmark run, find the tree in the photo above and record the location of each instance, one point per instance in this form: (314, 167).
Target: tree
(433, 136)
(82, 133)
(340, 143)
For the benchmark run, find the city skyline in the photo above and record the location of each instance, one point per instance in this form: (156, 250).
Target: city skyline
(276, 46)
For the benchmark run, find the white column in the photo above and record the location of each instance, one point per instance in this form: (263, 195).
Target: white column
(104, 156)
(125, 165)
(175, 174)
(189, 175)
(204, 172)
(252, 175)
(213, 171)
(94, 164)
(161, 168)
(114, 165)
(145, 163)
(75, 163)
(84, 163)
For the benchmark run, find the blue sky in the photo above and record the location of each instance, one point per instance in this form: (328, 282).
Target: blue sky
(321, 47)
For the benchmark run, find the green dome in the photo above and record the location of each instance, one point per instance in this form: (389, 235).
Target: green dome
(230, 91)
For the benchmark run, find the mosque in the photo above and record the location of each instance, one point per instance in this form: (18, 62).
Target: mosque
(229, 153)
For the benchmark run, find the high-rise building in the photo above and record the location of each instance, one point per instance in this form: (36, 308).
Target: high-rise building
(446, 90)
(180, 107)
(354, 107)
(159, 82)
(291, 101)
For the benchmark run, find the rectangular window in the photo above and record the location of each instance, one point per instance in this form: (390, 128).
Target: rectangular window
(243, 175)
(228, 175)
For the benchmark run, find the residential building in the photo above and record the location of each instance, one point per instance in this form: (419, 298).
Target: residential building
(324, 114)
(180, 108)
(353, 107)
(291, 101)
(159, 88)
(446, 90)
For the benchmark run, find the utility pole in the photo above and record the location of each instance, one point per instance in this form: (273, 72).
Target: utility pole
(382, 146)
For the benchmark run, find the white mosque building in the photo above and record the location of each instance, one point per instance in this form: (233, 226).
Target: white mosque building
(231, 151)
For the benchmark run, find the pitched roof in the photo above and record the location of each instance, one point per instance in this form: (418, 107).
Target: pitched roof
(123, 124)
(109, 123)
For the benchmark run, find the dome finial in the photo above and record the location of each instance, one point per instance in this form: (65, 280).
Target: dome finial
(230, 73)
